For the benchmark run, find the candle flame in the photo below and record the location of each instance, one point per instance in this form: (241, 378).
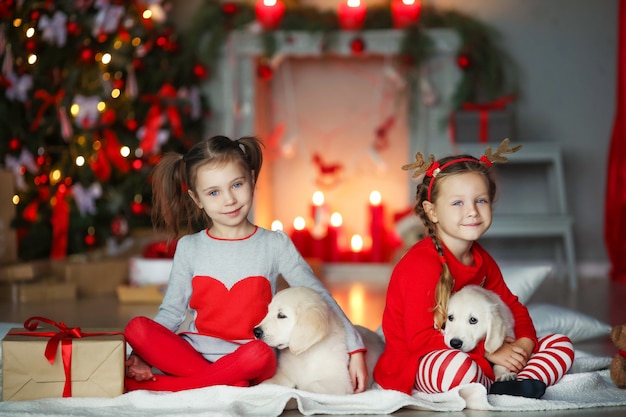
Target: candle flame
(277, 225)
(318, 198)
(299, 223)
(356, 243)
(335, 219)
(408, 2)
(354, 3)
(375, 198)
(269, 3)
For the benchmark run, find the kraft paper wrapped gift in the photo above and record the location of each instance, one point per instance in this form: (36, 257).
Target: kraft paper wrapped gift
(24, 271)
(96, 366)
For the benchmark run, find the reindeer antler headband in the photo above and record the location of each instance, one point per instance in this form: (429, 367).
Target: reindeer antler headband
(432, 167)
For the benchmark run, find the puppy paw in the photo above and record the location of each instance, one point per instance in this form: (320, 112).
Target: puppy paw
(508, 376)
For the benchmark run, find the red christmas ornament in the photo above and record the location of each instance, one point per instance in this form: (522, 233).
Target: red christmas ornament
(138, 64)
(42, 179)
(90, 240)
(229, 9)
(161, 41)
(139, 208)
(108, 117)
(200, 71)
(264, 72)
(35, 15)
(131, 124)
(124, 35)
(118, 83)
(14, 144)
(30, 45)
(102, 38)
(463, 61)
(86, 55)
(137, 164)
(73, 28)
(357, 45)
(119, 226)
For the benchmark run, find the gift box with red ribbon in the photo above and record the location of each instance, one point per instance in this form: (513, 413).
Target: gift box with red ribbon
(60, 361)
(483, 122)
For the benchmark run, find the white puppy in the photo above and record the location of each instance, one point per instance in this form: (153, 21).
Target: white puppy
(312, 343)
(476, 314)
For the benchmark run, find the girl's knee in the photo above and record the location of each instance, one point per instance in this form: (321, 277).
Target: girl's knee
(259, 351)
(137, 327)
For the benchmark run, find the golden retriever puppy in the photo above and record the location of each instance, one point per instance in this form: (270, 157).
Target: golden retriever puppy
(476, 314)
(311, 340)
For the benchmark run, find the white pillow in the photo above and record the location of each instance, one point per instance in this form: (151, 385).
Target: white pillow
(551, 319)
(523, 280)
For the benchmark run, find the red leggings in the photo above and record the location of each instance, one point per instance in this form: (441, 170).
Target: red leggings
(185, 368)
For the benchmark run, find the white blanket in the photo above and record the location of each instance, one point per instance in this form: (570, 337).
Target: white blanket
(587, 385)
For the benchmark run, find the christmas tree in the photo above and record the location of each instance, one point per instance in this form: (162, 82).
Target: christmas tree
(91, 94)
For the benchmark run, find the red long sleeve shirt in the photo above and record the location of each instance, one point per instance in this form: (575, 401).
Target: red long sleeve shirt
(408, 319)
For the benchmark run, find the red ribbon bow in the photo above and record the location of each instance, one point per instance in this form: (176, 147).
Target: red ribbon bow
(430, 172)
(64, 335)
(164, 101)
(486, 161)
(48, 100)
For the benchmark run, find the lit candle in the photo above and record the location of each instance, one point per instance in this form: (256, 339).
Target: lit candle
(351, 15)
(319, 213)
(405, 12)
(377, 226)
(269, 13)
(277, 225)
(333, 252)
(356, 246)
(300, 236)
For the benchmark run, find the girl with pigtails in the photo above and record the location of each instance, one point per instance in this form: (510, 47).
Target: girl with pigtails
(223, 276)
(454, 201)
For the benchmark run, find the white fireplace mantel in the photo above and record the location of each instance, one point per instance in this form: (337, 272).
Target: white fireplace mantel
(236, 84)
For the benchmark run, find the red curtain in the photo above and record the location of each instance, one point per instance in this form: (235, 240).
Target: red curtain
(615, 206)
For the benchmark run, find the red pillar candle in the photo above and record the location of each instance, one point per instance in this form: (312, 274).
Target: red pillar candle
(351, 14)
(333, 251)
(377, 227)
(301, 237)
(405, 12)
(269, 13)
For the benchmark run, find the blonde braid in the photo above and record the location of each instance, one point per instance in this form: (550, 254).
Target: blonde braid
(445, 284)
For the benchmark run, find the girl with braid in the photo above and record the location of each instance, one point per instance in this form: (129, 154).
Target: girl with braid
(223, 276)
(454, 201)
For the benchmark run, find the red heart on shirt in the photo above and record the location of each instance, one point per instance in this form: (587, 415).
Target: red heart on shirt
(230, 314)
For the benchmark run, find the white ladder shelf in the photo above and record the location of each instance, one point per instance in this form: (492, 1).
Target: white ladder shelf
(557, 223)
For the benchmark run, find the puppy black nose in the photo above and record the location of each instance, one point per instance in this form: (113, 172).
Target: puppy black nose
(454, 343)
(258, 332)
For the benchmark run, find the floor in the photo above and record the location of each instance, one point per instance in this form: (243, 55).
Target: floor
(364, 303)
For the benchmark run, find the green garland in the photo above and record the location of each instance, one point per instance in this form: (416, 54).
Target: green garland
(489, 72)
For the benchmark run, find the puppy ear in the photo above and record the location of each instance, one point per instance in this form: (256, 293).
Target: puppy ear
(496, 330)
(312, 325)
